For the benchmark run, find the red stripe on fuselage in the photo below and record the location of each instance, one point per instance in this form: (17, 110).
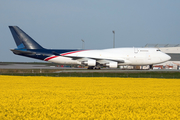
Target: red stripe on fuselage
(47, 59)
(72, 52)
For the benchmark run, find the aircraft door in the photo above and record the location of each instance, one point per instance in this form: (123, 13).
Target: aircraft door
(136, 50)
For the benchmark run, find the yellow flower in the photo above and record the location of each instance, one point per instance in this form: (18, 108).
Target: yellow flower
(88, 98)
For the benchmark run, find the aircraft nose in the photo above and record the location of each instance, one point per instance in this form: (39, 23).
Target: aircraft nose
(166, 57)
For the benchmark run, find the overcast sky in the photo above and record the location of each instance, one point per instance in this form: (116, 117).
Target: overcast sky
(61, 24)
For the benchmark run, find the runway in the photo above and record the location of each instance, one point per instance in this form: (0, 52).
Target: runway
(78, 70)
(25, 66)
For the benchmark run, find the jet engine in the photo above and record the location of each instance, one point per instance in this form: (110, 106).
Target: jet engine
(112, 64)
(89, 62)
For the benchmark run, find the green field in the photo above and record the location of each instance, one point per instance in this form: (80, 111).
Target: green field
(51, 72)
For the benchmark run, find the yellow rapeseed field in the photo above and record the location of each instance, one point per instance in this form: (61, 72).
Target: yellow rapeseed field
(90, 98)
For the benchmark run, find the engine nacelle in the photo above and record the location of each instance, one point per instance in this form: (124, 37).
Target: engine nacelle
(112, 64)
(90, 62)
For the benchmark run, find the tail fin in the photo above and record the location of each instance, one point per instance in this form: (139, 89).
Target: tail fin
(23, 40)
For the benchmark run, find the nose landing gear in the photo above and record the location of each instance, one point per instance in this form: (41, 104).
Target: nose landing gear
(150, 67)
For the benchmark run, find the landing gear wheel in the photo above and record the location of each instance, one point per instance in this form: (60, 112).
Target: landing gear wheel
(90, 67)
(98, 68)
(94, 67)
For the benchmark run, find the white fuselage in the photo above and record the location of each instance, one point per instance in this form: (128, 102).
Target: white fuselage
(130, 56)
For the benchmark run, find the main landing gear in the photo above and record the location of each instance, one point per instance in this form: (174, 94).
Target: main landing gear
(94, 67)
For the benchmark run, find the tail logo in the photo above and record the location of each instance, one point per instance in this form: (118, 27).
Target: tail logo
(21, 46)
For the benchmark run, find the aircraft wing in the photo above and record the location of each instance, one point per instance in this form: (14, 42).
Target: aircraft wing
(99, 60)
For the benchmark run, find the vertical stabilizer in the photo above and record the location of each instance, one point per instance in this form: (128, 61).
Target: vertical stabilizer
(23, 41)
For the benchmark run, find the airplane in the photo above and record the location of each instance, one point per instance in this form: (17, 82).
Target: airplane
(94, 59)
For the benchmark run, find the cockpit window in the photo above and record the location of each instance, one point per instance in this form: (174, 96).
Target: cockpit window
(158, 50)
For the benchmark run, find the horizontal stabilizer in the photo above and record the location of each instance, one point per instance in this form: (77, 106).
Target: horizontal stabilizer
(18, 52)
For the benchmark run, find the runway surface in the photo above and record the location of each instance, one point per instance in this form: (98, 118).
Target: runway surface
(27, 66)
(79, 70)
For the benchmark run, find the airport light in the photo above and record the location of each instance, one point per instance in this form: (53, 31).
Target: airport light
(113, 39)
(82, 43)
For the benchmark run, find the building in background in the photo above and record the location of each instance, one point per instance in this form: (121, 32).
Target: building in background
(171, 50)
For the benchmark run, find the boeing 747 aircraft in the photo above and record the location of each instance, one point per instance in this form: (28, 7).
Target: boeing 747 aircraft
(94, 59)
